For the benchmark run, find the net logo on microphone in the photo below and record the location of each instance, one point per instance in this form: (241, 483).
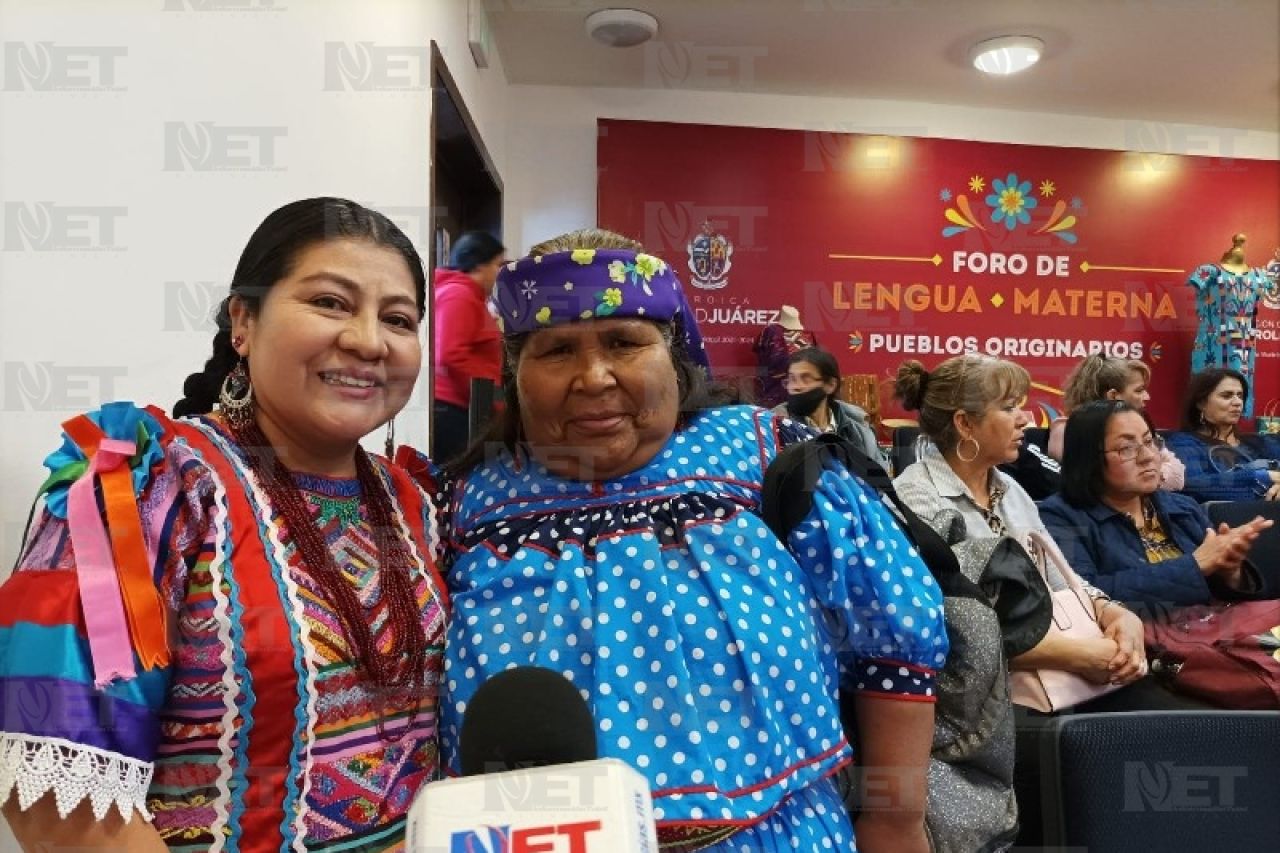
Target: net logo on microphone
(561, 838)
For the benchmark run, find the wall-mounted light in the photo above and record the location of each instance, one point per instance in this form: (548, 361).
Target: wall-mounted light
(1006, 54)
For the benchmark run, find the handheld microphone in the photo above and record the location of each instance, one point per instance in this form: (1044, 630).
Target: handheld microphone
(543, 790)
(525, 717)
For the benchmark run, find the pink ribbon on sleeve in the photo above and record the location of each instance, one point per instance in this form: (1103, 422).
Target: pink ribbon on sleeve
(100, 597)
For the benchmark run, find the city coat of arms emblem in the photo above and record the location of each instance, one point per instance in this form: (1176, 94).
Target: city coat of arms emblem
(710, 257)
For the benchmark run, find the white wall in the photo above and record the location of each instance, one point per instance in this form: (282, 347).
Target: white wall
(110, 298)
(552, 152)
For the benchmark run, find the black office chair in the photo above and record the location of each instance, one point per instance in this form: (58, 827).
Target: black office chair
(903, 451)
(1162, 780)
(1265, 554)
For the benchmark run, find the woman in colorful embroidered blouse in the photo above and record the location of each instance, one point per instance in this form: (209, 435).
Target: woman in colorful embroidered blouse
(612, 531)
(241, 651)
(1130, 538)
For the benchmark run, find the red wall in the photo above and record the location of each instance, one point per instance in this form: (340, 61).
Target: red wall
(787, 200)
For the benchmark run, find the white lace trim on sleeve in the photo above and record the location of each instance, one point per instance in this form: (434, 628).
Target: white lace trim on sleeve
(73, 771)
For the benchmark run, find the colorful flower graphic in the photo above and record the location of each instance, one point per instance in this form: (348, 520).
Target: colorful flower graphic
(607, 301)
(649, 266)
(1010, 201)
(583, 256)
(640, 272)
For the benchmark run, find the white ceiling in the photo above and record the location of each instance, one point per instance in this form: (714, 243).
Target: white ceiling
(1210, 62)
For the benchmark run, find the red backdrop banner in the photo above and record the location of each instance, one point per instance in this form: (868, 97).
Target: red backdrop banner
(898, 247)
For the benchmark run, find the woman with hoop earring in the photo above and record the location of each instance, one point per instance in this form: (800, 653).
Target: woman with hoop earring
(972, 421)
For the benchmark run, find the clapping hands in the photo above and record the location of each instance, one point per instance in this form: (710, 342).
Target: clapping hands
(1224, 550)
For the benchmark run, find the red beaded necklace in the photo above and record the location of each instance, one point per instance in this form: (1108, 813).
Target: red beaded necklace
(399, 674)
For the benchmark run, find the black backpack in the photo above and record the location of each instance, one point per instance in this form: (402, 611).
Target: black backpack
(788, 497)
(972, 763)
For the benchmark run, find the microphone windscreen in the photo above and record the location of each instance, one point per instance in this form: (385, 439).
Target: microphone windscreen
(525, 717)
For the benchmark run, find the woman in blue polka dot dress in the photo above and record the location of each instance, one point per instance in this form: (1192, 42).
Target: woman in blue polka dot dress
(611, 532)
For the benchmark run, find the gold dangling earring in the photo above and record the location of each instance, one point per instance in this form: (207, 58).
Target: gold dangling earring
(235, 399)
(977, 449)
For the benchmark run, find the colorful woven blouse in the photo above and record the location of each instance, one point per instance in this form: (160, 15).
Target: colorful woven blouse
(708, 651)
(259, 733)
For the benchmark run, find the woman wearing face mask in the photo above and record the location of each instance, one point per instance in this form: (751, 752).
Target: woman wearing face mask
(812, 380)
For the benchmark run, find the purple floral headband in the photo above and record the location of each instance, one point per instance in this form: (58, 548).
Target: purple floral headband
(591, 284)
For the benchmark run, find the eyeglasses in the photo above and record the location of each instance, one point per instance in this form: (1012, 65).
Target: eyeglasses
(1129, 452)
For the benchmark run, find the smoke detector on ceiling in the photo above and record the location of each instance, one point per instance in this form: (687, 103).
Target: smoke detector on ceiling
(621, 27)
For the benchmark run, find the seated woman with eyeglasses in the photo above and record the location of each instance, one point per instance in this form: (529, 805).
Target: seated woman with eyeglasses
(1222, 464)
(1123, 534)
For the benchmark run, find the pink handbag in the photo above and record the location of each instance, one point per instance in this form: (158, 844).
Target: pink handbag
(1050, 690)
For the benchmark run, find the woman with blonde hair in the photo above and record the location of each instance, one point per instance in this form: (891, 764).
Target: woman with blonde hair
(972, 422)
(1100, 377)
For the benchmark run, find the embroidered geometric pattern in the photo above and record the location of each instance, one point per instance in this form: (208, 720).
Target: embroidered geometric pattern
(251, 738)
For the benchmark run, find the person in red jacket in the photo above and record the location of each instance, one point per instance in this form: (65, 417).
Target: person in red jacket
(468, 344)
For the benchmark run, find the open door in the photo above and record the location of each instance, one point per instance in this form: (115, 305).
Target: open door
(466, 190)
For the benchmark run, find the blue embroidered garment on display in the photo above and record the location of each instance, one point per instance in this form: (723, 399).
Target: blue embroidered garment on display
(1227, 307)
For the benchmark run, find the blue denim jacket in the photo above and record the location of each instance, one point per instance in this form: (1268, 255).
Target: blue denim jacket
(1210, 477)
(1104, 548)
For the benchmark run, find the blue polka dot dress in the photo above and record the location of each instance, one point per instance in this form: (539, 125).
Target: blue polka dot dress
(709, 653)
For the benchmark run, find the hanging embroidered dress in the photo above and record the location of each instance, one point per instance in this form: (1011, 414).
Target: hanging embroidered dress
(1227, 309)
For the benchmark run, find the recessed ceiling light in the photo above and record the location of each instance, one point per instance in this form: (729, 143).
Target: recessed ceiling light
(621, 27)
(1006, 54)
